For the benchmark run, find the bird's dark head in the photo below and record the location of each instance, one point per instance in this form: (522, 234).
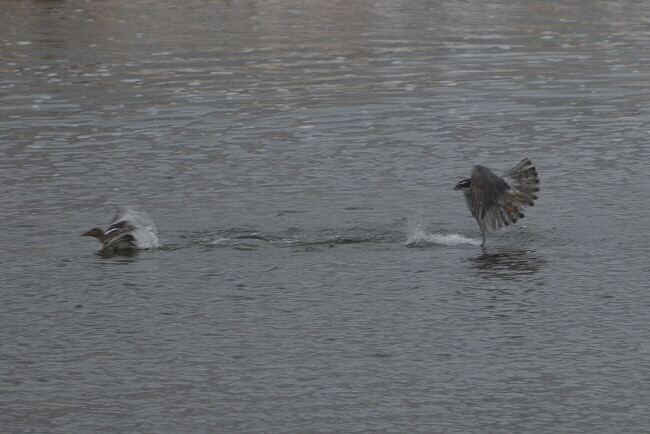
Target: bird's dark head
(94, 232)
(462, 184)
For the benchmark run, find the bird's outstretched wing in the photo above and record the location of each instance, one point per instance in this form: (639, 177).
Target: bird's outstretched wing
(523, 182)
(499, 201)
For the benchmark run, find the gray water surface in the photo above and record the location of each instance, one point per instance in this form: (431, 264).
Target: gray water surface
(318, 272)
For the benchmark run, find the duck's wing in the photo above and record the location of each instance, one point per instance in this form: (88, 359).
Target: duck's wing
(133, 220)
(122, 224)
(118, 229)
(123, 242)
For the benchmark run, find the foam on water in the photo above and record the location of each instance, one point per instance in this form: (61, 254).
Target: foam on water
(419, 237)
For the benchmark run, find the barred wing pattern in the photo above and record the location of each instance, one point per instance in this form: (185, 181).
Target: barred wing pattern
(496, 201)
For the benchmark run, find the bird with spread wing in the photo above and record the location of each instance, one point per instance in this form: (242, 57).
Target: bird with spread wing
(498, 201)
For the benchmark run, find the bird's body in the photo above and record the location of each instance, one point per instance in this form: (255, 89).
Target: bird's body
(118, 238)
(132, 230)
(498, 201)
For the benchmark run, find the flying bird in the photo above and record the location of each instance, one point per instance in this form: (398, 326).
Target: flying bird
(498, 201)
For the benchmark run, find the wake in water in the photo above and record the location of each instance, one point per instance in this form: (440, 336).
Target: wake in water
(237, 238)
(418, 237)
(294, 238)
(250, 239)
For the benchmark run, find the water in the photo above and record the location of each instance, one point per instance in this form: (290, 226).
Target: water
(317, 270)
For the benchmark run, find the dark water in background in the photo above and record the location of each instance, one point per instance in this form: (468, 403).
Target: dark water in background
(287, 151)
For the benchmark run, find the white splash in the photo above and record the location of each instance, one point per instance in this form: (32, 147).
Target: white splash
(145, 234)
(420, 237)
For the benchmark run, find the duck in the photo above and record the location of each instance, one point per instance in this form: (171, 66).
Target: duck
(118, 238)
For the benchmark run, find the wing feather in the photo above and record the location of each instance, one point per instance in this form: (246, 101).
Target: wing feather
(486, 193)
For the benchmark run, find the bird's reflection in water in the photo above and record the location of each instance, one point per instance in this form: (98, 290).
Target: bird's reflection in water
(107, 254)
(509, 264)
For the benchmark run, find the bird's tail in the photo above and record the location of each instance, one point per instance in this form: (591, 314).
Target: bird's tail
(524, 183)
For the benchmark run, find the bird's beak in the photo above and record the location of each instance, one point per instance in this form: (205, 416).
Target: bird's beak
(86, 234)
(457, 187)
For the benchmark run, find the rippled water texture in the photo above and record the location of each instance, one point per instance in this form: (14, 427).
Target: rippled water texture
(317, 270)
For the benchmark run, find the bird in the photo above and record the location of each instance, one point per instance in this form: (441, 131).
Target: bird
(118, 238)
(498, 201)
